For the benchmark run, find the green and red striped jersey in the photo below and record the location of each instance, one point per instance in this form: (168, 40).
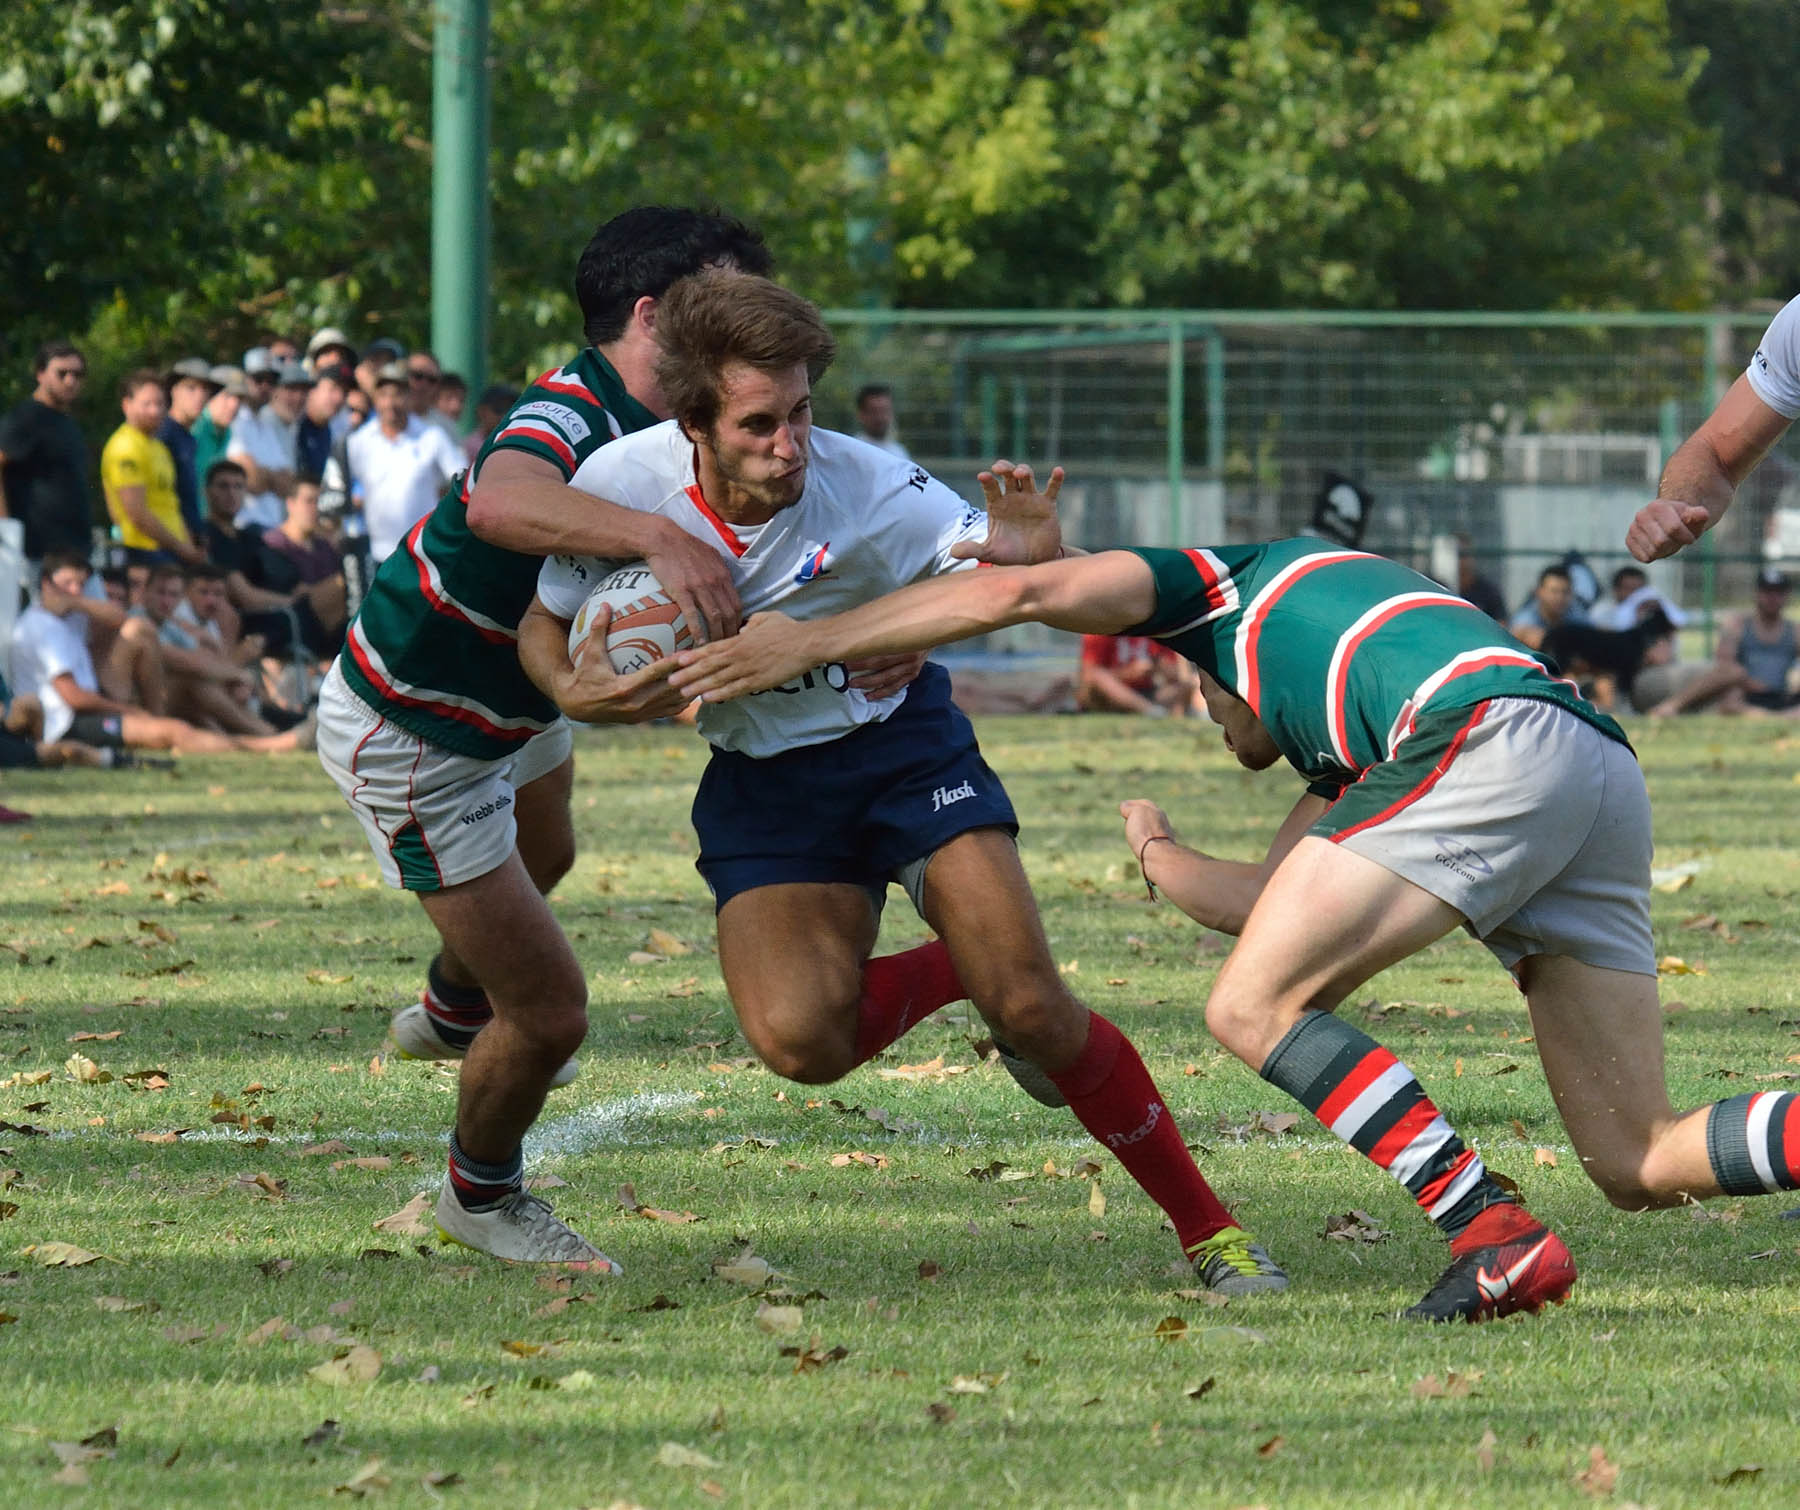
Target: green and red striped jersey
(1337, 652)
(435, 645)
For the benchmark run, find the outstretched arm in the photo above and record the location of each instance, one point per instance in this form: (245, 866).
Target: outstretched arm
(1703, 475)
(1101, 594)
(1215, 893)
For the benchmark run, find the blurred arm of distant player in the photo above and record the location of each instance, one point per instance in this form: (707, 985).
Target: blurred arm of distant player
(1702, 476)
(521, 503)
(585, 686)
(1101, 594)
(1215, 893)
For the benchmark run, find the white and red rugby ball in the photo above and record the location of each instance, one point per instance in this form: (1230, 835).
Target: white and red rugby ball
(646, 625)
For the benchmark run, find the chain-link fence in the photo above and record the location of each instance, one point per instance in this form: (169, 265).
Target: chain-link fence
(1531, 435)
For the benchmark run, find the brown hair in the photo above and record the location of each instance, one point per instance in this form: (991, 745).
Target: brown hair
(716, 317)
(143, 377)
(164, 569)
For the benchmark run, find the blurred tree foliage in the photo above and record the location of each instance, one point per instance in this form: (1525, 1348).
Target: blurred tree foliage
(192, 174)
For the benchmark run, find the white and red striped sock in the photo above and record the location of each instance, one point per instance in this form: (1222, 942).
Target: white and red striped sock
(1371, 1100)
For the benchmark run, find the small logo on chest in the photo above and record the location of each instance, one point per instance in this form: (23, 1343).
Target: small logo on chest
(817, 564)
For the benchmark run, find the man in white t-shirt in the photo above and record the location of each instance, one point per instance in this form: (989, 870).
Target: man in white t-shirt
(817, 795)
(1703, 475)
(263, 443)
(51, 662)
(401, 462)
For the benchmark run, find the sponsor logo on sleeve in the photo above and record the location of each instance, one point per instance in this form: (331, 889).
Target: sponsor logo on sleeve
(561, 415)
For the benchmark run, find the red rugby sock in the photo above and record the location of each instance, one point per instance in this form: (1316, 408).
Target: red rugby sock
(1112, 1093)
(900, 991)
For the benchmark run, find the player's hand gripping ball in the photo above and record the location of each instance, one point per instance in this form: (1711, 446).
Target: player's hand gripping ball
(646, 625)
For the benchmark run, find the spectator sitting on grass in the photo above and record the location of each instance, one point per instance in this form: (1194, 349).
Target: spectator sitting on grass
(22, 743)
(1552, 603)
(1472, 586)
(52, 662)
(1755, 657)
(205, 685)
(297, 559)
(274, 614)
(1123, 673)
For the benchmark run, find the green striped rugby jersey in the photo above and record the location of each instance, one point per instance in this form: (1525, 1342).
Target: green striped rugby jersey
(1338, 652)
(435, 645)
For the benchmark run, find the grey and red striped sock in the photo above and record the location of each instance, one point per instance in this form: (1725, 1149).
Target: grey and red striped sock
(1753, 1143)
(1371, 1100)
(457, 1013)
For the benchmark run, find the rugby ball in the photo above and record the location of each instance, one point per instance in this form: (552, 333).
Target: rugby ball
(646, 625)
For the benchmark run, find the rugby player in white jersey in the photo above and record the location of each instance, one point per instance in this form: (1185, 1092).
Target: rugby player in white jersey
(459, 769)
(817, 795)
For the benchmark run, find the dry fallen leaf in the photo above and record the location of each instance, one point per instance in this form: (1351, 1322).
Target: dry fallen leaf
(779, 1321)
(1271, 1447)
(665, 944)
(1096, 1200)
(1355, 1226)
(745, 1269)
(1170, 1329)
(409, 1220)
(62, 1255)
(1600, 1477)
(1484, 1451)
(356, 1365)
(329, 1146)
(367, 1480)
(376, 1161)
(1544, 1158)
(674, 1455)
(120, 1303)
(1453, 1386)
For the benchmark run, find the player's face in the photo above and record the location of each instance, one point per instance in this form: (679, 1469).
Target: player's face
(1241, 729)
(761, 438)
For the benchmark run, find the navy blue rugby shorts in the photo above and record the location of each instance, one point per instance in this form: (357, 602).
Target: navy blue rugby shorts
(851, 810)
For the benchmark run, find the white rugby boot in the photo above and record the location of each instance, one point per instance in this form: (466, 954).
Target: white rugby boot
(415, 1037)
(522, 1229)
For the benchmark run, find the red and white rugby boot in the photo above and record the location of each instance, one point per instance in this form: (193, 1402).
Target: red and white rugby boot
(1505, 1260)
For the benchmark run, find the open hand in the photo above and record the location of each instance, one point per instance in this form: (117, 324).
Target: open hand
(1022, 525)
(697, 578)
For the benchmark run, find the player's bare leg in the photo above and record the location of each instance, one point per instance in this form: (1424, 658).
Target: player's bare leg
(978, 898)
(454, 1008)
(1327, 920)
(502, 929)
(1599, 1034)
(793, 958)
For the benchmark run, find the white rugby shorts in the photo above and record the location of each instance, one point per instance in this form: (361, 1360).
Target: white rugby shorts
(434, 818)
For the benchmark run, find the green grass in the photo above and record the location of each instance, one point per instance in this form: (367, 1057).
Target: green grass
(223, 919)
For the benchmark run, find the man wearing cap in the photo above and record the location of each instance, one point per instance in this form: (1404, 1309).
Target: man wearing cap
(376, 355)
(212, 431)
(264, 443)
(1755, 655)
(330, 347)
(138, 474)
(190, 384)
(402, 463)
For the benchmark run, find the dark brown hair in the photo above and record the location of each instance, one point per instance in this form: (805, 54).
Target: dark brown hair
(143, 377)
(717, 317)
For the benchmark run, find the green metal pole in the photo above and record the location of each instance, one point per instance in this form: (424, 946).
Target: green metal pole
(459, 189)
(1709, 566)
(1177, 398)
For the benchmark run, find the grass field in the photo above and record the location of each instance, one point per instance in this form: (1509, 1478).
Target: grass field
(949, 1322)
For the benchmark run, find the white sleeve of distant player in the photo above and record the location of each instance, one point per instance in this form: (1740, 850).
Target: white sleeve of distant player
(564, 583)
(934, 519)
(1774, 371)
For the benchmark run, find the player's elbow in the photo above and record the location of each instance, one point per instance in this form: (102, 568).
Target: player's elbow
(486, 514)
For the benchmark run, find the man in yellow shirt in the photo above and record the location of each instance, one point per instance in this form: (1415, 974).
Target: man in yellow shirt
(138, 474)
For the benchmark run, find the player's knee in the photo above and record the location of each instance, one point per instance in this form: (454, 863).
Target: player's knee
(551, 861)
(1231, 1017)
(806, 1061)
(1033, 1016)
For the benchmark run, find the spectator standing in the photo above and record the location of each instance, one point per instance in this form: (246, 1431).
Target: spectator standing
(212, 431)
(376, 355)
(44, 460)
(1552, 603)
(424, 381)
(317, 431)
(138, 474)
(401, 462)
(875, 418)
(265, 445)
(452, 399)
(496, 399)
(190, 387)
